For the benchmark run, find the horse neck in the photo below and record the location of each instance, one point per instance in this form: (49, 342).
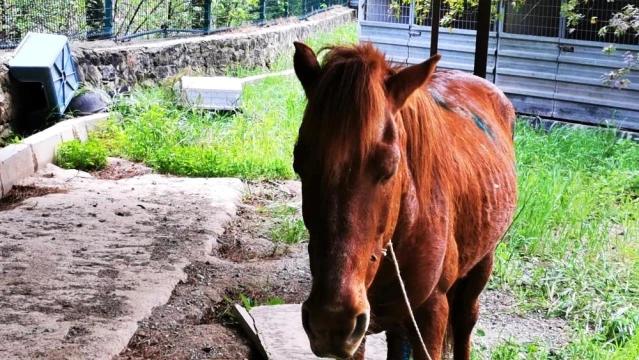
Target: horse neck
(424, 148)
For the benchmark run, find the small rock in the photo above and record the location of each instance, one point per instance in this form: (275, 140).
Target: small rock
(213, 295)
(122, 213)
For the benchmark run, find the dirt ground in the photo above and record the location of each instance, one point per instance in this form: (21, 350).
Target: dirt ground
(191, 318)
(81, 265)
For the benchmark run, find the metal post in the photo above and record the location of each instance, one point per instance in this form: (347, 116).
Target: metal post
(262, 11)
(500, 29)
(434, 26)
(208, 18)
(108, 18)
(562, 23)
(483, 35)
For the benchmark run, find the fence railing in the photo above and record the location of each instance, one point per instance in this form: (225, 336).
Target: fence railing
(123, 20)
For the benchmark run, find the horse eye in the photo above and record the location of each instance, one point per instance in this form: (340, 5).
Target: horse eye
(373, 258)
(386, 162)
(385, 178)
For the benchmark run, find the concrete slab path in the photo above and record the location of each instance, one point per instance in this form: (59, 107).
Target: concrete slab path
(79, 269)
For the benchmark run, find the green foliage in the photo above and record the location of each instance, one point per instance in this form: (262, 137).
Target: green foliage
(91, 155)
(10, 139)
(249, 303)
(571, 252)
(275, 301)
(17, 17)
(234, 12)
(290, 230)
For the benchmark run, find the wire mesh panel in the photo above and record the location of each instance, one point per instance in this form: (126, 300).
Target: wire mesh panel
(458, 16)
(453, 14)
(127, 19)
(597, 14)
(392, 12)
(72, 18)
(163, 17)
(277, 9)
(538, 18)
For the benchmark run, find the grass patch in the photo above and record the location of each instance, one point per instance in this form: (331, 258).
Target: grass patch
(290, 230)
(256, 143)
(572, 252)
(90, 155)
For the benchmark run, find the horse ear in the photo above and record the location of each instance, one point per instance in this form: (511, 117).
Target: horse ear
(401, 86)
(306, 66)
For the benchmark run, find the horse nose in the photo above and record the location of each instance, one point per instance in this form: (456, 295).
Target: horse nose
(307, 327)
(361, 325)
(334, 333)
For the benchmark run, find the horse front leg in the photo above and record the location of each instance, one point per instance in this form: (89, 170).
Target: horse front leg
(432, 320)
(399, 347)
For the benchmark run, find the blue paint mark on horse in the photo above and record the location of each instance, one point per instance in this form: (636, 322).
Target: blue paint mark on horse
(439, 100)
(482, 125)
(478, 121)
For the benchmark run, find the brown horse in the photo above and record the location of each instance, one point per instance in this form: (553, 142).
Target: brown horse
(422, 158)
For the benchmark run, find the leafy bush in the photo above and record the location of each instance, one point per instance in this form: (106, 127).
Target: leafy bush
(91, 155)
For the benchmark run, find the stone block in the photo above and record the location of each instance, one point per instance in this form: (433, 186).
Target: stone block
(213, 93)
(92, 122)
(43, 145)
(16, 163)
(268, 325)
(77, 127)
(64, 130)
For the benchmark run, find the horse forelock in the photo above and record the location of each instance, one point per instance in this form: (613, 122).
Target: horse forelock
(345, 117)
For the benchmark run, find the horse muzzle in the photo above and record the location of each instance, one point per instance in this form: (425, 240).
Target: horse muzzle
(334, 332)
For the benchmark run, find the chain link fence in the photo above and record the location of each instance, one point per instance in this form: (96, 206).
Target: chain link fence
(122, 20)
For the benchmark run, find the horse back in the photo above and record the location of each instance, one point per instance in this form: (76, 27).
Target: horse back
(469, 95)
(480, 122)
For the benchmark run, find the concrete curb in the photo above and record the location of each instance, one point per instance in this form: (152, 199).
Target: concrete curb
(254, 78)
(19, 161)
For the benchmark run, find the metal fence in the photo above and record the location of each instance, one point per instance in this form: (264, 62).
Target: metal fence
(123, 20)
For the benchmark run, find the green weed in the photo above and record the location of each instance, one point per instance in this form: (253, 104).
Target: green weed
(571, 253)
(277, 210)
(290, 230)
(249, 303)
(91, 155)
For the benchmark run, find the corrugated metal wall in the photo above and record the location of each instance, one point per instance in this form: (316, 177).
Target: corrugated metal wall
(544, 70)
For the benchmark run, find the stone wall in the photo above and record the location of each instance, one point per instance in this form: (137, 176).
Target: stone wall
(112, 66)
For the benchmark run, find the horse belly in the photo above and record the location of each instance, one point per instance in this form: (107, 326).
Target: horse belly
(481, 224)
